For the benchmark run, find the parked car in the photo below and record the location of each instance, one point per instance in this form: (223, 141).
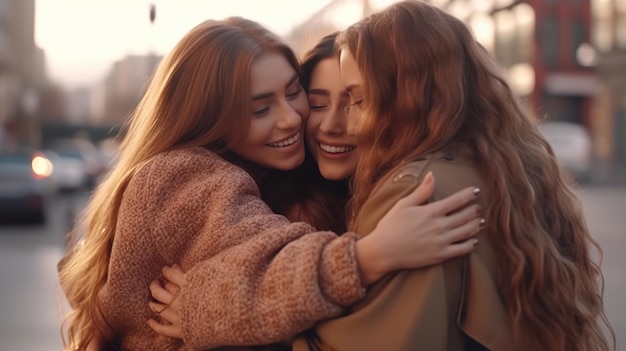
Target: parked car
(69, 171)
(24, 185)
(572, 147)
(86, 151)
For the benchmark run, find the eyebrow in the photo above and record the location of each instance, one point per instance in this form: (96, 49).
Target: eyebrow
(266, 95)
(319, 92)
(351, 87)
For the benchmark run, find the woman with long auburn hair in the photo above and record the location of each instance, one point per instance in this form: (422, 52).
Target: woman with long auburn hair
(223, 108)
(432, 99)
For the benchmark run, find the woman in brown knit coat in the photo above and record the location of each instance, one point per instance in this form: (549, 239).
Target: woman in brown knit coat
(223, 108)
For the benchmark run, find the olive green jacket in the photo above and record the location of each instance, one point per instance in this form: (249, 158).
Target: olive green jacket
(450, 306)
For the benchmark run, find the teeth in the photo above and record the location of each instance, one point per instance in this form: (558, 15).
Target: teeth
(287, 142)
(336, 149)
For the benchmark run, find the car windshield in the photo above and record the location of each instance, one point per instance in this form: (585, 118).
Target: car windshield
(14, 158)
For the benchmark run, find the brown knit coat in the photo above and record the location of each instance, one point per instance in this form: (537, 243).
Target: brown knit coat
(252, 276)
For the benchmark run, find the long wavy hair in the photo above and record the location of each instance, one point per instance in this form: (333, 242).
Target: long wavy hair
(304, 194)
(434, 85)
(198, 96)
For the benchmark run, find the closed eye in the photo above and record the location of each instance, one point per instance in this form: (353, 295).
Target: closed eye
(294, 93)
(318, 107)
(354, 104)
(262, 111)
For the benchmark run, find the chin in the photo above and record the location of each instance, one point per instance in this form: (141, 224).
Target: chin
(288, 165)
(335, 175)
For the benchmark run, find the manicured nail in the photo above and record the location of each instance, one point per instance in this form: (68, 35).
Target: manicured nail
(429, 177)
(481, 223)
(476, 191)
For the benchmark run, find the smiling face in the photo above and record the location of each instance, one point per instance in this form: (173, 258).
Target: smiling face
(279, 105)
(328, 137)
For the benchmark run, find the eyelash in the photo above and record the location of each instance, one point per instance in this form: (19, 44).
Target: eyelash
(317, 107)
(356, 103)
(289, 96)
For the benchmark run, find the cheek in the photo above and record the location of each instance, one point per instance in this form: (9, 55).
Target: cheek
(259, 129)
(312, 126)
(313, 122)
(354, 121)
(301, 106)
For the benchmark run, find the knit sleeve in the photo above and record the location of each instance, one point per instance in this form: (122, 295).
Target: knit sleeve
(268, 289)
(252, 276)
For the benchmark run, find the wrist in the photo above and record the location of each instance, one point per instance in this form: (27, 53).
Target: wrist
(371, 262)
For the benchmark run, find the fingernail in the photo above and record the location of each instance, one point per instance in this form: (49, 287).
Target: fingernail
(481, 223)
(429, 177)
(475, 242)
(476, 191)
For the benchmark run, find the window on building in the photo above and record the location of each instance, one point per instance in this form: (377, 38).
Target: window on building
(578, 38)
(620, 27)
(548, 39)
(525, 22)
(562, 108)
(506, 40)
(483, 28)
(602, 29)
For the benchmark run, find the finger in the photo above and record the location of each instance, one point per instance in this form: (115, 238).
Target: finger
(455, 201)
(464, 232)
(160, 294)
(166, 330)
(421, 194)
(171, 287)
(462, 217)
(166, 312)
(156, 307)
(459, 249)
(174, 274)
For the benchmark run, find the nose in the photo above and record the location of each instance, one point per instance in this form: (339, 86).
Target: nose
(289, 118)
(334, 122)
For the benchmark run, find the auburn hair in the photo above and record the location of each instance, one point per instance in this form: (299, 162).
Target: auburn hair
(198, 96)
(433, 85)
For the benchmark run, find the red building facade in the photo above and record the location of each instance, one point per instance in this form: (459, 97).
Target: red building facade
(556, 46)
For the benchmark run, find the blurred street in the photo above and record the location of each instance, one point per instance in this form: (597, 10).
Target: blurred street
(32, 305)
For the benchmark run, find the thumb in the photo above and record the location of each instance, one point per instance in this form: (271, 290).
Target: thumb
(422, 193)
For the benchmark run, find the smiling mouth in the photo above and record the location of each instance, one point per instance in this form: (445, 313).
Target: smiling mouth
(337, 149)
(286, 142)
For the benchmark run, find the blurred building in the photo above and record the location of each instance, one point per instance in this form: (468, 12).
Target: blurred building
(609, 38)
(22, 72)
(336, 15)
(79, 105)
(565, 58)
(125, 85)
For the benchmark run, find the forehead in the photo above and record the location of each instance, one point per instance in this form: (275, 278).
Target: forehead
(270, 72)
(326, 74)
(350, 74)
